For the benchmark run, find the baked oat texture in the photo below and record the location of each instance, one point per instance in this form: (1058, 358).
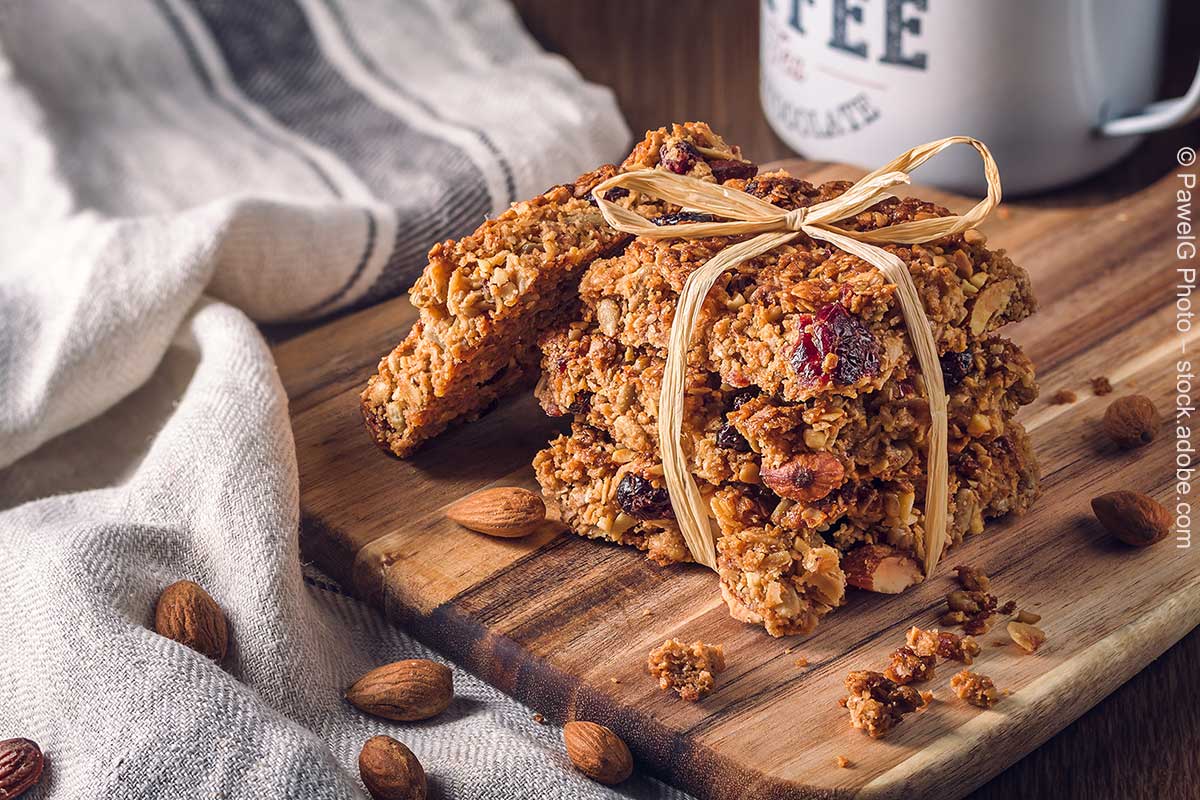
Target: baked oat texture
(876, 703)
(976, 689)
(806, 417)
(485, 298)
(686, 669)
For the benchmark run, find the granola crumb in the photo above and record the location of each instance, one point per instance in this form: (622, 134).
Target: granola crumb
(539, 719)
(686, 669)
(1028, 617)
(1101, 386)
(973, 605)
(615, 680)
(927, 697)
(647, 613)
(801, 662)
(1028, 637)
(942, 644)
(1063, 397)
(877, 704)
(844, 763)
(972, 579)
(976, 689)
(908, 667)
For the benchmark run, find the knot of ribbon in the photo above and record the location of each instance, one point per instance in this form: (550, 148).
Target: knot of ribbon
(772, 227)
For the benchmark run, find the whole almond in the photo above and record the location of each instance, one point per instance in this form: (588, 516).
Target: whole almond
(407, 691)
(597, 752)
(505, 511)
(390, 771)
(1131, 421)
(189, 615)
(21, 764)
(1133, 518)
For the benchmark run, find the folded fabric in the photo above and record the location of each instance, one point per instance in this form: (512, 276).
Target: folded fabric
(171, 173)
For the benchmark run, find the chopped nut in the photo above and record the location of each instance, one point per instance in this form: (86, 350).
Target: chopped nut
(843, 762)
(973, 605)
(877, 704)
(908, 667)
(1063, 397)
(942, 644)
(927, 696)
(973, 579)
(687, 669)
(1029, 637)
(801, 662)
(1101, 386)
(1028, 617)
(976, 689)
(539, 719)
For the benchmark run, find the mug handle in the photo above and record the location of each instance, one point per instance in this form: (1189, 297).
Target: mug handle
(1157, 116)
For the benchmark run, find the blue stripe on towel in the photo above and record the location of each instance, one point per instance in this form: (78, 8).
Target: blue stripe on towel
(273, 56)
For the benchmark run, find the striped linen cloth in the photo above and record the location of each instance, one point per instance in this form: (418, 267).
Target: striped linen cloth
(173, 172)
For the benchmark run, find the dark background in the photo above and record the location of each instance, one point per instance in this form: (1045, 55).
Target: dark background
(673, 60)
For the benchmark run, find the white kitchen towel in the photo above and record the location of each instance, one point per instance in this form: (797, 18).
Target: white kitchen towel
(171, 173)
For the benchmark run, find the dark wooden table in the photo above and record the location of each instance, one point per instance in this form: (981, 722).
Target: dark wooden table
(670, 60)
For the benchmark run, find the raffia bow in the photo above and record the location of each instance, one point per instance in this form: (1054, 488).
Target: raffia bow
(775, 227)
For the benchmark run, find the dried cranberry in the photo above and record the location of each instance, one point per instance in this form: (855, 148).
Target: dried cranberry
(727, 168)
(835, 330)
(682, 216)
(728, 438)
(956, 366)
(581, 403)
(638, 498)
(679, 157)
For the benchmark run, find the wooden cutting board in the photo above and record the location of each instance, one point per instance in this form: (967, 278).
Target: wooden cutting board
(565, 624)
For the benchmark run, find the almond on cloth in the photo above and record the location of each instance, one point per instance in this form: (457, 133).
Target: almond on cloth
(505, 511)
(879, 568)
(188, 615)
(1029, 637)
(1131, 421)
(390, 771)
(1134, 518)
(598, 752)
(21, 764)
(406, 691)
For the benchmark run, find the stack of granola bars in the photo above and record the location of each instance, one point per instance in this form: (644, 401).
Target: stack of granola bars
(806, 419)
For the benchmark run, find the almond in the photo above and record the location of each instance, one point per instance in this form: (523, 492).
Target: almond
(1029, 637)
(188, 614)
(21, 764)
(390, 771)
(1133, 518)
(505, 511)
(1131, 421)
(597, 752)
(407, 691)
(806, 477)
(879, 568)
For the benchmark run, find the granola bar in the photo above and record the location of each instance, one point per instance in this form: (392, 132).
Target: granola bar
(806, 414)
(484, 299)
(687, 670)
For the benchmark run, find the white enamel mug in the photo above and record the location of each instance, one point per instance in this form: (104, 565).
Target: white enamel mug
(1057, 89)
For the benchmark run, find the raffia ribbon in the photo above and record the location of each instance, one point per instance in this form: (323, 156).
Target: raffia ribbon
(775, 227)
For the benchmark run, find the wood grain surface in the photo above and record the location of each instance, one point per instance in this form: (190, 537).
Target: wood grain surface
(565, 624)
(698, 59)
